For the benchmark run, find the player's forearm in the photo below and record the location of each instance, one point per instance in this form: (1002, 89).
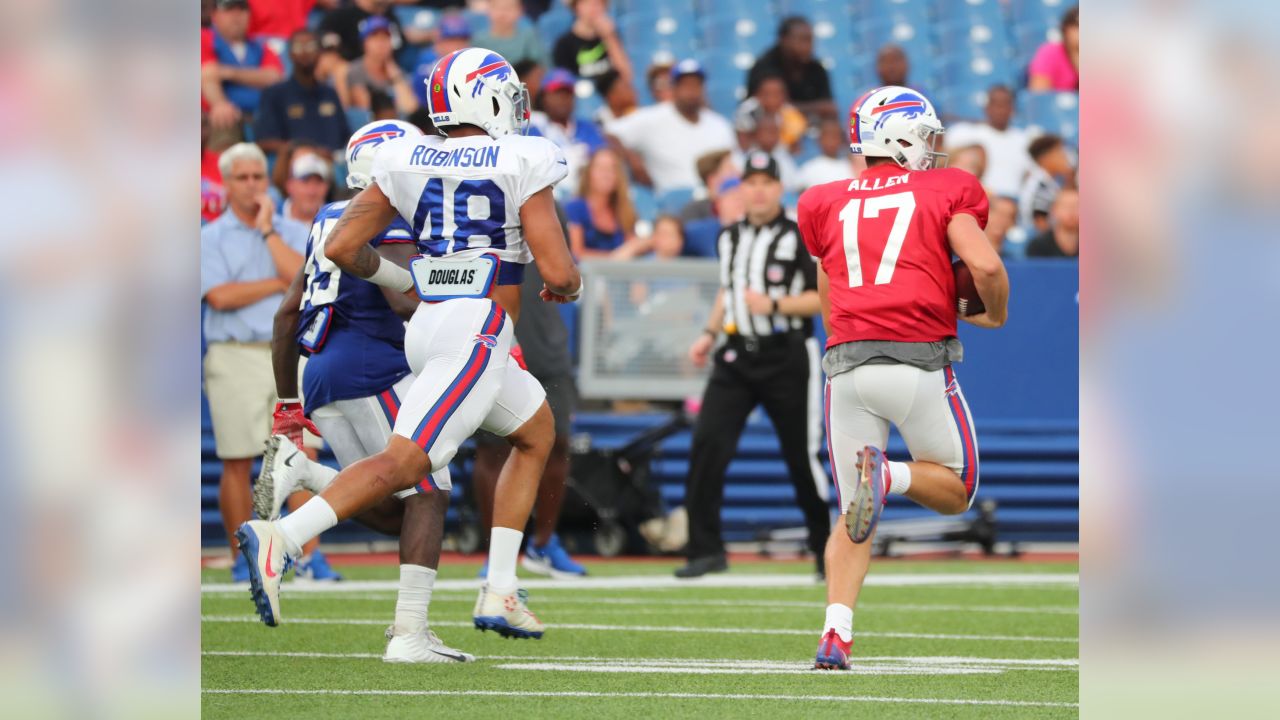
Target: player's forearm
(287, 260)
(348, 246)
(284, 346)
(235, 295)
(993, 288)
(806, 304)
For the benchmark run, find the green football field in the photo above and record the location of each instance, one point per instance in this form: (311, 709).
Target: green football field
(952, 639)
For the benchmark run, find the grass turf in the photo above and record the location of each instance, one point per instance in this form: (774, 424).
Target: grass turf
(902, 667)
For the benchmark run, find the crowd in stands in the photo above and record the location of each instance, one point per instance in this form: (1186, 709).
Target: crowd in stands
(655, 102)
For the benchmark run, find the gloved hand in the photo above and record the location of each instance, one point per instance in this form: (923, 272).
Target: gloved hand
(289, 421)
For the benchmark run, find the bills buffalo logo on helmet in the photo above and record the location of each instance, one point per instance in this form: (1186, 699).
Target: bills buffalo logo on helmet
(375, 136)
(908, 105)
(494, 68)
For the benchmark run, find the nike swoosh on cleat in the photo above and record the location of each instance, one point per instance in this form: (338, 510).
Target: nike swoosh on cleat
(289, 460)
(270, 545)
(459, 656)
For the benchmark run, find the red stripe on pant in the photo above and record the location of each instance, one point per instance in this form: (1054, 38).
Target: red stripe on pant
(969, 471)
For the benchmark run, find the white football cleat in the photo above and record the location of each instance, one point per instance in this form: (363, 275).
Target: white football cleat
(263, 547)
(283, 467)
(422, 647)
(506, 615)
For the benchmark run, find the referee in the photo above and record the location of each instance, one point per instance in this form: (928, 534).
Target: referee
(768, 297)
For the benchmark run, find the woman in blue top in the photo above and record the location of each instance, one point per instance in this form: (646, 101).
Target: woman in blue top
(601, 219)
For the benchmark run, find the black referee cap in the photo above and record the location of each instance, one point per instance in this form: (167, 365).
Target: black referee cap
(759, 161)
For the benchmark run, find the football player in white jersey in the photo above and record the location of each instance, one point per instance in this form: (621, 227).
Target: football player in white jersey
(480, 205)
(353, 332)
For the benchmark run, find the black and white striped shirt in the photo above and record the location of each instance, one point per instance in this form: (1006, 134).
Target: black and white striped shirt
(770, 259)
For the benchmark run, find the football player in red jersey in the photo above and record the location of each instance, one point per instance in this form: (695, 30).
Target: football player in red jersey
(884, 243)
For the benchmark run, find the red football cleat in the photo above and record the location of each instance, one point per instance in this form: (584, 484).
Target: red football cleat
(833, 653)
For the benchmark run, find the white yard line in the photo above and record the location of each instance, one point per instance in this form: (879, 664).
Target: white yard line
(643, 695)
(654, 628)
(748, 605)
(651, 582)
(1054, 663)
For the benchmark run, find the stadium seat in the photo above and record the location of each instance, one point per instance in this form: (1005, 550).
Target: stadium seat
(646, 204)
(1044, 13)
(1055, 112)
(739, 34)
(671, 201)
(418, 18)
(700, 238)
(554, 23)
(970, 12)
(724, 95)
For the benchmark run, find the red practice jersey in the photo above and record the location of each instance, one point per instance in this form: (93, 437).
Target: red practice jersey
(882, 242)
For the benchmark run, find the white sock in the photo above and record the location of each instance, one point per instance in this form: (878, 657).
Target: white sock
(416, 582)
(504, 549)
(318, 476)
(840, 619)
(308, 521)
(899, 478)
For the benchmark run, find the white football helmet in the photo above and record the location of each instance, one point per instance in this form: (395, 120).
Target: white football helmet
(477, 87)
(898, 123)
(363, 145)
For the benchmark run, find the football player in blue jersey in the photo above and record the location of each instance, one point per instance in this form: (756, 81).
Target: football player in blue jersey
(353, 382)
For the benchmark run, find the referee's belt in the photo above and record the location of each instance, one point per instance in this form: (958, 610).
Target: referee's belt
(760, 343)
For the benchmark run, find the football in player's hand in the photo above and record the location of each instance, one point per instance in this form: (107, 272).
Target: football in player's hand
(967, 300)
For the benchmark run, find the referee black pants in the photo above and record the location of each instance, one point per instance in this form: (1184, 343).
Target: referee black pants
(776, 376)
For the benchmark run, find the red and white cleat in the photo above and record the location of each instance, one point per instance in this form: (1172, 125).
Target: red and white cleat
(833, 653)
(863, 511)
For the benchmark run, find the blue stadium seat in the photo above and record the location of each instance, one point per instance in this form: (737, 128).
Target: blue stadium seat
(646, 204)
(554, 23)
(740, 34)
(671, 201)
(723, 95)
(1055, 112)
(418, 18)
(970, 12)
(700, 238)
(960, 102)
(913, 12)
(1045, 13)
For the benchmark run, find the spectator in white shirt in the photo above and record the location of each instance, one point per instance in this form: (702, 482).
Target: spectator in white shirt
(835, 162)
(1006, 146)
(662, 142)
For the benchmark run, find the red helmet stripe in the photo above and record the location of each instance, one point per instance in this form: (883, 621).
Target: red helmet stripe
(855, 132)
(438, 93)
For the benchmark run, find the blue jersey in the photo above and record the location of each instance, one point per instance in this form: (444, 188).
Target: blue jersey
(354, 338)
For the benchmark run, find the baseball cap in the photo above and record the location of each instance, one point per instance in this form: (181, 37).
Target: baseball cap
(373, 24)
(306, 165)
(454, 26)
(759, 161)
(687, 66)
(559, 79)
(226, 4)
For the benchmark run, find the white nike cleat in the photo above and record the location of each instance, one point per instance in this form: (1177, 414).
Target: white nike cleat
(283, 466)
(422, 647)
(863, 511)
(506, 615)
(263, 547)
